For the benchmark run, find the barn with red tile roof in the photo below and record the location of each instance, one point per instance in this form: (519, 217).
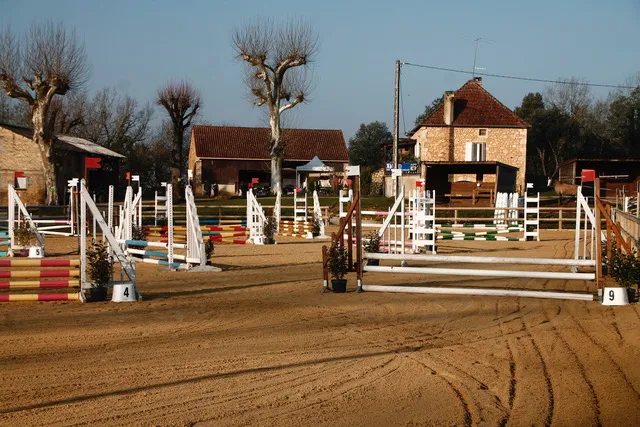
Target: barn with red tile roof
(471, 128)
(232, 156)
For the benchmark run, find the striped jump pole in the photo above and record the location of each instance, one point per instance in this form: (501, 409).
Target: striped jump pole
(230, 241)
(31, 274)
(40, 297)
(152, 244)
(157, 254)
(482, 238)
(485, 238)
(481, 233)
(40, 284)
(475, 226)
(180, 228)
(40, 263)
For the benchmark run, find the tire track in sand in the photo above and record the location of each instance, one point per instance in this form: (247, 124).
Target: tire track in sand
(467, 415)
(523, 351)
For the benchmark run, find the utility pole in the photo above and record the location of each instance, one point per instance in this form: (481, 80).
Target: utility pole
(396, 128)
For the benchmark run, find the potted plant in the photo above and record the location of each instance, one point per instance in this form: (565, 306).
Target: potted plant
(209, 246)
(27, 239)
(100, 267)
(337, 264)
(315, 229)
(625, 268)
(269, 229)
(372, 245)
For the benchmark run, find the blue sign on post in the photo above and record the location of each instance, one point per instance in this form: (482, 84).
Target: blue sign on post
(407, 168)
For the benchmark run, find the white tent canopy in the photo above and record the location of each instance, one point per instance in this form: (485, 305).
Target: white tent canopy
(315, 165)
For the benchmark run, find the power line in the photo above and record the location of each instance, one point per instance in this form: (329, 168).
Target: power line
(501, 76)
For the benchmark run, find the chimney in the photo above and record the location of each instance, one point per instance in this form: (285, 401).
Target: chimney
(448, 107)
(478, 80)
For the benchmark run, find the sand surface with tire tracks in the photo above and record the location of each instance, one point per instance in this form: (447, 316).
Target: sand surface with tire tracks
(258, 344)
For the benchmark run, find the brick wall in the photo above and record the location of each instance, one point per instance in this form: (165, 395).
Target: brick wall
(505, 145)
(18, 153)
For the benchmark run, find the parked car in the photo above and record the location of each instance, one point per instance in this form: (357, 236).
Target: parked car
(262, 191)
(324, 191)
(289, 190)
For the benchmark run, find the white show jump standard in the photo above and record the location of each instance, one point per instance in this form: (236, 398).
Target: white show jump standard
(582, 259)
(256, 219)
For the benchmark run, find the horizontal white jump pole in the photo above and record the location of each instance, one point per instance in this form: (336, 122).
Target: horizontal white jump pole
(53, 227)
(470, 272)
(480, 292)
(52, 221)
(378, 225)
(385, 213)
(54, 233)
(154, 244)
(482, 259)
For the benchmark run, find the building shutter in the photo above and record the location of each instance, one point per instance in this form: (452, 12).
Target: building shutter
(468, 152)
(475, 152)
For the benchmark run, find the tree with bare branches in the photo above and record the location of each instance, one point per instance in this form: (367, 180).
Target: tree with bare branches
(182, 102)
(277, 59)
(48, 61)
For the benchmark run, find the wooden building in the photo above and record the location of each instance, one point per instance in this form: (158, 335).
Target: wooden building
(232, 156)
(621, 175)
(19, 155)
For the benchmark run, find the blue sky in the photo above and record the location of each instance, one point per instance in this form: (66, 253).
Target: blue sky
(137, 46)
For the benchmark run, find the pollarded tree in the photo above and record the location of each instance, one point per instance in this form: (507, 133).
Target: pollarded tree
(182, 103)
(49, 61)
(277, 58)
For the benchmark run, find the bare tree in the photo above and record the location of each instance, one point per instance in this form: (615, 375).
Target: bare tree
(277, 59)
(182, 103)
(49, 61)
(67, 113)
(116, 122)
(572, 96)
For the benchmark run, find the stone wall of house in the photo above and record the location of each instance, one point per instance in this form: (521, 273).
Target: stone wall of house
(18, 153)
(505, 145)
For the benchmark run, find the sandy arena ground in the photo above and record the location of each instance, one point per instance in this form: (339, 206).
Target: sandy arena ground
(257, 344)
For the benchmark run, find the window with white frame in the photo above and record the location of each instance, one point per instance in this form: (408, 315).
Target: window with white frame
(475, 152)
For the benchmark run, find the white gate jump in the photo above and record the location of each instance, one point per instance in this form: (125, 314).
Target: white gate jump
(195, 250)
(17, 214)
(582, 258)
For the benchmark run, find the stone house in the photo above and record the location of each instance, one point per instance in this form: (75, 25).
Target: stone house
(20, 156)
(232, 156)
(473, 139)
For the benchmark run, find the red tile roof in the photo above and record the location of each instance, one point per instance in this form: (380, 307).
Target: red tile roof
(230, 142)
(474, 106)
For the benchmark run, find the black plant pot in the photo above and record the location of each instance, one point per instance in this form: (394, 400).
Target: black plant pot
(98, 294)
(339, 286)
(373, 262)
(631, 294)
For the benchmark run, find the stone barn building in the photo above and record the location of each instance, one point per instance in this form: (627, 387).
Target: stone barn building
(472, 141)
(232, 156)
(19, 155)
